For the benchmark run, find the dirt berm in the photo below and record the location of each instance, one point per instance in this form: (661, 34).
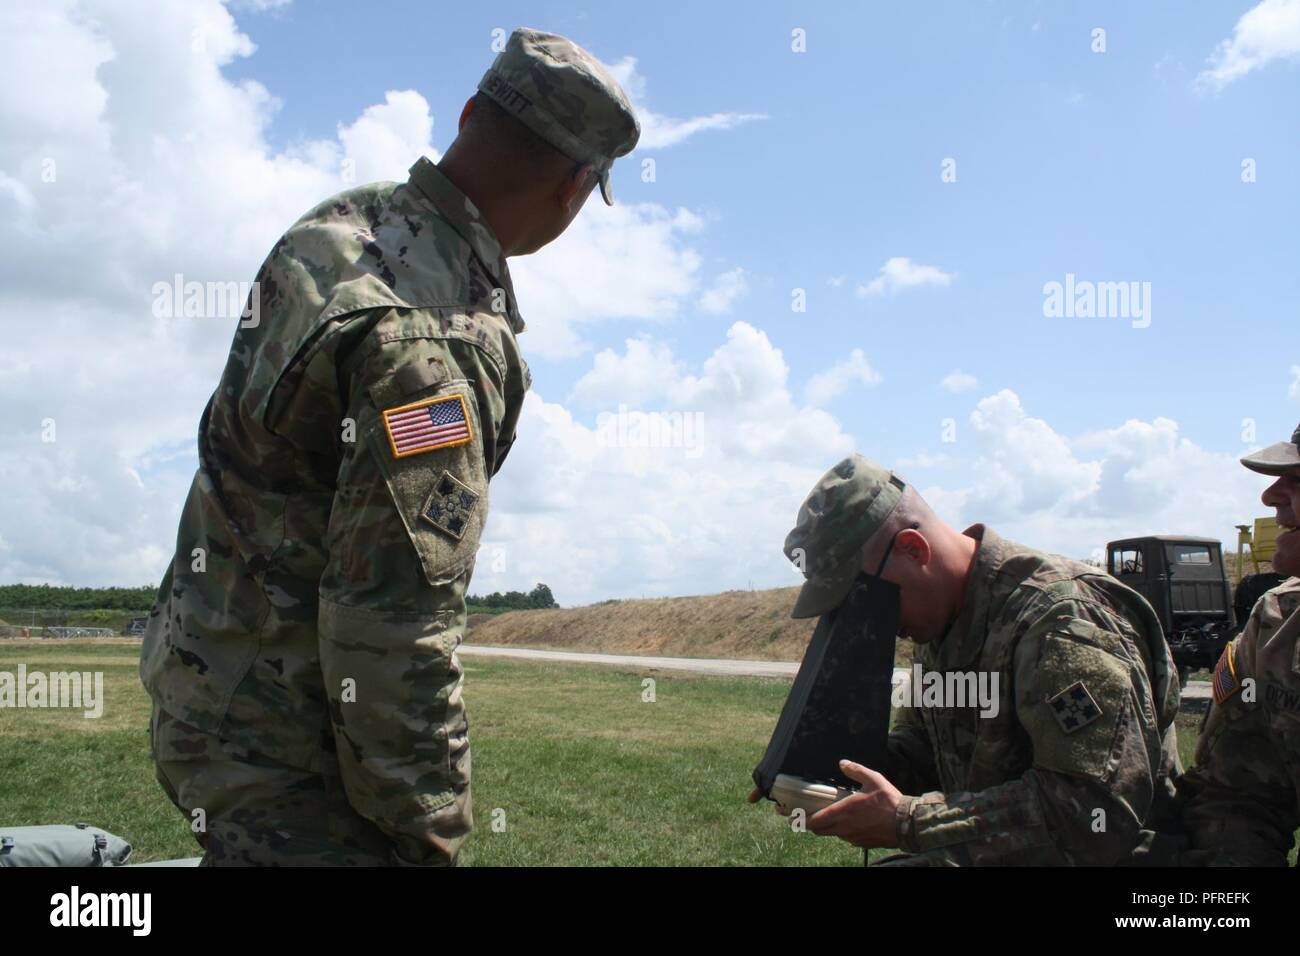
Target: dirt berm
(751, 625)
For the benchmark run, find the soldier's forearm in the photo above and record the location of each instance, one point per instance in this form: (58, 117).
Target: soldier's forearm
(399, 723)
(1040, 819)
(1000, 825)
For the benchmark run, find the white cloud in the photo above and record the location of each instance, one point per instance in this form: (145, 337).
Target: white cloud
(958, 381)
(726, 289)
(19, 194)
(659, 131)
(128, 156)
(1071, 496)
(645, 372)
(1025, 466)
(899, 273)
(1266, 32)
(627, 261)
(826, 385)
(158, 163)
(595, 519)
(387, 138)
(1294, 389)
(924, 459)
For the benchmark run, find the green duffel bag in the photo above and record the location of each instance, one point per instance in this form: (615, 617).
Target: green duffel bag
(62, 845)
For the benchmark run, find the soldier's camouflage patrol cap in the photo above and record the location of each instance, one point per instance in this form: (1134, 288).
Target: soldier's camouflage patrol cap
(559, 91)
(834, 530)
(1276, 459)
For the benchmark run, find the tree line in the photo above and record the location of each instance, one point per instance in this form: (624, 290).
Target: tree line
(539, 596)
(50, 597)
(46, 596)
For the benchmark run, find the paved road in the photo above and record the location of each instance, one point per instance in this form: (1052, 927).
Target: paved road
(1197, 690)
(695, 665)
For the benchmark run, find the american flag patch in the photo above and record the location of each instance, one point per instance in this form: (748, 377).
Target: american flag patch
(427, 425)
(1225, 682)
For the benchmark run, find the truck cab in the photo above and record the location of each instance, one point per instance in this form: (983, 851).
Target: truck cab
(1184, 579)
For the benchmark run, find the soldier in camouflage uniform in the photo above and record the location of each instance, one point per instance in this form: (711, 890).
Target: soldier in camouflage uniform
(1241, 800)
(302, 653)
(1075, 763)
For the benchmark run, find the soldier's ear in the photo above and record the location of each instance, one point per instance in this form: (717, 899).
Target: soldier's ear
(911, 544)
(464, 113)
(574, 188)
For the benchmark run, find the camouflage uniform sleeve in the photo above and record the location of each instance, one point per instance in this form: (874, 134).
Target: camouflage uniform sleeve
(402, 537)
(1084, 700)
(1238, 802)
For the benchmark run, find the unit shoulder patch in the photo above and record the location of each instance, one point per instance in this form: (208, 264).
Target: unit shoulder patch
(1074, 707)
(450, 505)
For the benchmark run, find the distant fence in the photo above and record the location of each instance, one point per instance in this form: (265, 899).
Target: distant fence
(22, 630)
(66, 623)
(79, 631)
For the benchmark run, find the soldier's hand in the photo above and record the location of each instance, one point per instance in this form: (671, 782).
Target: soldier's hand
(866, 819)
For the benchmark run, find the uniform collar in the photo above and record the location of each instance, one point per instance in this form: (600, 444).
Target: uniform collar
(463, 216)
(965, 636)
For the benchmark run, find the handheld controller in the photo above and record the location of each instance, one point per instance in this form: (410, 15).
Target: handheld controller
(790, 792)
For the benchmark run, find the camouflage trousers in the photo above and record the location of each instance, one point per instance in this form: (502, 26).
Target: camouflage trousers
(246, 809)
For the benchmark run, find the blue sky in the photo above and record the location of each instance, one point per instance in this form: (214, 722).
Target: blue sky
(1108, 165)
(775, 170)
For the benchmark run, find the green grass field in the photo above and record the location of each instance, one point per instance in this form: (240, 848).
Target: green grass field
(584, 770)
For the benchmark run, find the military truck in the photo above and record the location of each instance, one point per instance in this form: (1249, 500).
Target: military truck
(1185, 581)
(136, 626)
